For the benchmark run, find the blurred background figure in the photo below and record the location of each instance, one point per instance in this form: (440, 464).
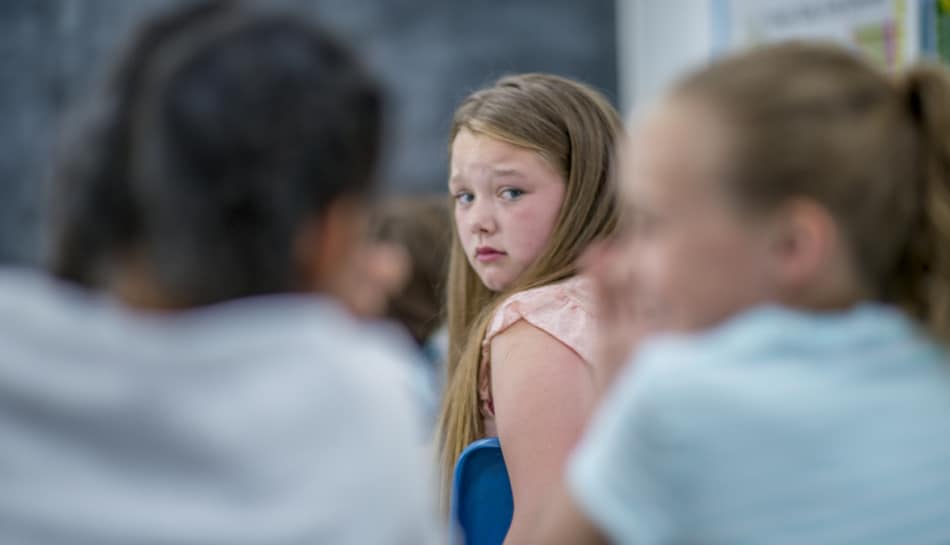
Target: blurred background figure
(219, 192)
(421, 227)
(799, 381)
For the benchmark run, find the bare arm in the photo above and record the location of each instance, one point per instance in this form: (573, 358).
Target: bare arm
(543, 393)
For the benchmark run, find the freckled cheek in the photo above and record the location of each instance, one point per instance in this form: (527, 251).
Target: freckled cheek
(539, 222)
(531, 230)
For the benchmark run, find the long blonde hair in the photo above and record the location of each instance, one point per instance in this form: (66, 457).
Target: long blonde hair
(575, 129)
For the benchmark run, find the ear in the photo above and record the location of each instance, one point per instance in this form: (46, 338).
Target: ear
(805, 245)
(324, 245)
(337, 258)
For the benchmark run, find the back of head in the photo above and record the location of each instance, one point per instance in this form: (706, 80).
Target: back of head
(816, 121)
(222, 132)
(575, 129)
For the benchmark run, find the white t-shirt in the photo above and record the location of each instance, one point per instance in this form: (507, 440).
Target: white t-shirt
(270, 420)
(778, 428)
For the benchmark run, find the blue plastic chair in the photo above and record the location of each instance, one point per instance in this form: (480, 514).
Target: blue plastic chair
(481, 493)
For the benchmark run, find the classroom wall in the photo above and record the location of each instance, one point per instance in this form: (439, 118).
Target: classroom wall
(430, 53)
(658, 40)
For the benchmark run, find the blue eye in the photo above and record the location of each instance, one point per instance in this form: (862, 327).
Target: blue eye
(464, 197)
(511, 193)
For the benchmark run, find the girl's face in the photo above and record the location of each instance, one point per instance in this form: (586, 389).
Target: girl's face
(507, 199)
(688, 258)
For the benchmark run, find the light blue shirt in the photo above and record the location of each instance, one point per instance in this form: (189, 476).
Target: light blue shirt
(777, 428)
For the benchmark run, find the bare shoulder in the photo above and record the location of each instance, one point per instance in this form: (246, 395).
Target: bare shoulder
(532, 371)
(525, 342)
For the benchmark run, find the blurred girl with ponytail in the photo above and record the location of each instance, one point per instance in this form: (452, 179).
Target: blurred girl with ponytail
(791, 238)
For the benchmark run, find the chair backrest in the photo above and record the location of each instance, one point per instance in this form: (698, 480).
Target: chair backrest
(481, 493)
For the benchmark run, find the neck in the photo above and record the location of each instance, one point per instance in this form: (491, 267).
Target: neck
(133, 282)
(838, 289)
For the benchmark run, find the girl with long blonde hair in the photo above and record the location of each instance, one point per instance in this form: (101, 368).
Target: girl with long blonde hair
(529, 173)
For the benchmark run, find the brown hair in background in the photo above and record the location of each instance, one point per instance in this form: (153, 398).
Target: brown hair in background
(422, 225)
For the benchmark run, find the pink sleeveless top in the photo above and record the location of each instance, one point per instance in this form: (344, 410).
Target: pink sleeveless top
(563, 310)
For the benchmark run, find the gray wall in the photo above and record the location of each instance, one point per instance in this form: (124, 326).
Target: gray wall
(430, 53)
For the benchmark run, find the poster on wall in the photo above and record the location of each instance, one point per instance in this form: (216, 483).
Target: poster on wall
(887, 31)
(936, 24)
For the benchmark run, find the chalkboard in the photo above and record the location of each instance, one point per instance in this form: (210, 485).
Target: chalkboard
(430, 54)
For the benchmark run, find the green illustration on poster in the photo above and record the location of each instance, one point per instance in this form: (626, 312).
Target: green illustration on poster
(941, 12)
